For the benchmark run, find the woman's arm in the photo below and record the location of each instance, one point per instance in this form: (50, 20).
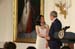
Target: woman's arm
(37, 31)
(47, 33)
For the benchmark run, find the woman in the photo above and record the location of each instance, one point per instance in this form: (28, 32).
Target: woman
(42, 32)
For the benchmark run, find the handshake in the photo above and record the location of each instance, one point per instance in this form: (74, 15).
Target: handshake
(47, 38)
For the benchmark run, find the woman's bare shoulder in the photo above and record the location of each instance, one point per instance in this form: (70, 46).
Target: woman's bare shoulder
(46, 26)
(37, 26)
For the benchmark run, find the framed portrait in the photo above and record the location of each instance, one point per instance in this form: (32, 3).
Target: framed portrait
(25, 14)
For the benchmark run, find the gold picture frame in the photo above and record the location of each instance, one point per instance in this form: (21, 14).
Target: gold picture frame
(15, 22)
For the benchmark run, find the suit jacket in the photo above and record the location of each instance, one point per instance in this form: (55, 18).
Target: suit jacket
(55, 27)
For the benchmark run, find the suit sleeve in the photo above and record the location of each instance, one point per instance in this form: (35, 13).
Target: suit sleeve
(57, 27)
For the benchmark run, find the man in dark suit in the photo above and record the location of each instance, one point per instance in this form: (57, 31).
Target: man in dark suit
(55, 27)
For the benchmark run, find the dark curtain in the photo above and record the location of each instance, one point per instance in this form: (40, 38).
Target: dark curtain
(20, 9)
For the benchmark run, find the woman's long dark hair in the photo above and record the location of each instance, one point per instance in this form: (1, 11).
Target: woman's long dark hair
(38, 20)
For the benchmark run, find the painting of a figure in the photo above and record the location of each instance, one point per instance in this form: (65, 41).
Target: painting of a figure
(28, 12)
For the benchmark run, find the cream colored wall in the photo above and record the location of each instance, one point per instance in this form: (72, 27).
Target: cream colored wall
(69, 21)
(6, 23)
